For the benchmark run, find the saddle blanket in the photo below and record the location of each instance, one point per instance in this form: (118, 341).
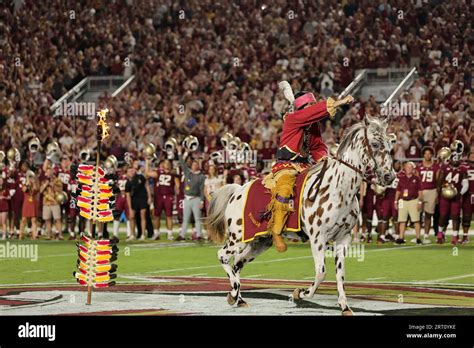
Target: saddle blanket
(257, 198)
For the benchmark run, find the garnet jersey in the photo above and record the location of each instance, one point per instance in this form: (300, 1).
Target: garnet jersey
(121, 181)
(250, 173)
(428, 175)
(21, 180)
(469, 167)
(65, 176)
(391, 190)
(12, 183)
(164, 183)
(453, 175)
(413, 151)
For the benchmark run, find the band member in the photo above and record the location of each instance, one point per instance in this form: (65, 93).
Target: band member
(450, 208)
(51, 186)
(166, 183)
(428, 171)
(30, 207)
(409, 199)
(4, 200)
(300, 140)
(468, 198)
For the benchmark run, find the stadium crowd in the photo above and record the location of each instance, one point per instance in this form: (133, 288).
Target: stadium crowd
(207, 68)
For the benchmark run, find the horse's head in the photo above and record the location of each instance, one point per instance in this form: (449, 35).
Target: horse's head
(378, 146)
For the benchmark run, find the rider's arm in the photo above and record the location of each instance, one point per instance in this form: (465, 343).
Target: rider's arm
(317, 111)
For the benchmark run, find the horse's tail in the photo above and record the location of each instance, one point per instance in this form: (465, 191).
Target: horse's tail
(215, 220)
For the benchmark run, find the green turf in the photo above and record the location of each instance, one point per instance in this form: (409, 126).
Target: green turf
(381, 263)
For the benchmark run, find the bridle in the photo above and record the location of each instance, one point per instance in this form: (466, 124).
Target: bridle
(324, 168)
(371, 157)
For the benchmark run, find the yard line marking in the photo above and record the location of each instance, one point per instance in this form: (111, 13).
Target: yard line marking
(269, 261)
(33, 271)
(375, 278)
(197, 275)
(450, 278)
(253, 276)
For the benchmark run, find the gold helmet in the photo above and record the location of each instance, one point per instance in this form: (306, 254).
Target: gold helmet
(111, 162)
(378, 189)
(225, 139)
(333, 149)
(52, 150)
(457, 149)
(149, 151)
(61, 197)
(191, 143)
(34, 145)
(85, 155)
(170, 145)
(13, 155)
(449, 191)
(30, 174)
(235, 143)
(444, 153)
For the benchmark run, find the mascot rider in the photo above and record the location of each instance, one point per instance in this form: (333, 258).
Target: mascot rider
(300, 142)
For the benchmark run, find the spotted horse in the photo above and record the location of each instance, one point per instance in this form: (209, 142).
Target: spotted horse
(328, 213)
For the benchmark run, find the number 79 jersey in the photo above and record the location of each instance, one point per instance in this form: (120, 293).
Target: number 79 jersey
(428, 175)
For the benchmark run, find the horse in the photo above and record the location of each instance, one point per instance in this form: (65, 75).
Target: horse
(329, 209)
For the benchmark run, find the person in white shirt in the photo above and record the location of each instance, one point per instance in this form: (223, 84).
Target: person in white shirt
(212, 183)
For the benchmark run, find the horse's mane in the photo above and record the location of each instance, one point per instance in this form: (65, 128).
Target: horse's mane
(349, 137)
(351, 133)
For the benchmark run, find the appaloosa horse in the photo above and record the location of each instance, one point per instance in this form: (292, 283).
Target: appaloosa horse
(329, 210)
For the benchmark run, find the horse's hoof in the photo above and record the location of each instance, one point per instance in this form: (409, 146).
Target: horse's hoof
(243, 304)
(347, 312)
(296, 294)
(231, 299)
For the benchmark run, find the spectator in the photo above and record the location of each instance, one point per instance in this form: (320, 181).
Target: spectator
(409, 201)
(50, 187)
(193, 197)
(138, 198)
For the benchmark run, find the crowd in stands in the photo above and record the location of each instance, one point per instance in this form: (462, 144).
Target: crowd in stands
(205, 68)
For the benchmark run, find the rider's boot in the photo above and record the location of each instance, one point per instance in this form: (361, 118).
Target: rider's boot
(281, 211)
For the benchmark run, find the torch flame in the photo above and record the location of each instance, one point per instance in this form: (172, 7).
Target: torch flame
(102, 114)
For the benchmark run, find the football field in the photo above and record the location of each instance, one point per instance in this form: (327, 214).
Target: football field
(166, 277)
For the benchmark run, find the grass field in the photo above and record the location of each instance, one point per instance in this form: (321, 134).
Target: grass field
(435, 264)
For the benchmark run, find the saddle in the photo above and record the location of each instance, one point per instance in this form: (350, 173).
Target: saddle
(257, 197)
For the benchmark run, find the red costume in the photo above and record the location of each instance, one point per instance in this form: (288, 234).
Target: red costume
(301, 135)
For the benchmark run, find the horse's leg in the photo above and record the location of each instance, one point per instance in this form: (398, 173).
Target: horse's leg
(247, 255)
(318, 248)
(340, 271)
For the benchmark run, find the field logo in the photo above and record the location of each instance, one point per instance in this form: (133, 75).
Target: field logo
(37, 331)
(356, 251)
(19, 251)
(401, 109)
(84, 109)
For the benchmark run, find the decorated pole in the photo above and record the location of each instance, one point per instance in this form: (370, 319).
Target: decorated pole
(95, 199)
